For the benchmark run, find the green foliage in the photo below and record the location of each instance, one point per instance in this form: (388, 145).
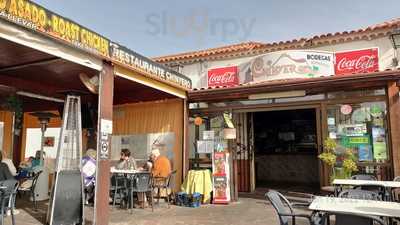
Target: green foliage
(329, 145)
(14, 104)
(328, 157)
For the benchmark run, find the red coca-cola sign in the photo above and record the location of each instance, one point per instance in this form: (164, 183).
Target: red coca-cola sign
(226, 76)
(359, 61)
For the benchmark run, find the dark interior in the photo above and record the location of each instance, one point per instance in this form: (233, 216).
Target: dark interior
(285, 144)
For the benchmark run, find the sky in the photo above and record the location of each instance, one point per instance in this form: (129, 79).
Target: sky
(157, 28)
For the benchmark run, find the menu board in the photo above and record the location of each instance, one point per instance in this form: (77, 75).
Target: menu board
(221, 178)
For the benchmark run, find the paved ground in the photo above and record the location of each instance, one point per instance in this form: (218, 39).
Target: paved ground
(247, 211)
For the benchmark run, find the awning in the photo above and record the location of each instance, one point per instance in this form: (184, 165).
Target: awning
(310, 85)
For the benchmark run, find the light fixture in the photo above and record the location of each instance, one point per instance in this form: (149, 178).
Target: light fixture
(282, 94)
(395, 38)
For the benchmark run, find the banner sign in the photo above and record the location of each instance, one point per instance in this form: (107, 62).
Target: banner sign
(34, 17)
(358, 61)
(132, 59)
(221, 179)
(226, 76)
(289, 65)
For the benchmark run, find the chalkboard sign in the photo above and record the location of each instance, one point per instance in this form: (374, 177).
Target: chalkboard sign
(68, 198)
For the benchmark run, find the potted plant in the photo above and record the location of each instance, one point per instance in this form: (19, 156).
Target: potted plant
(341, 170)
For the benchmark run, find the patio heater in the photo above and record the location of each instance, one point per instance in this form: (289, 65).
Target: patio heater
(42, 185)
(66, 203)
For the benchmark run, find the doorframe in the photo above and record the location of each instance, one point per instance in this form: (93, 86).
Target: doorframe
(319, 118)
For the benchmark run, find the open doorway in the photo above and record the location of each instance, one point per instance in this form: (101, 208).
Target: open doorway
(286, 150)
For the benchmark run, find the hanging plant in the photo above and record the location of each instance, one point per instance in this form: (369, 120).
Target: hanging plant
(14, 104)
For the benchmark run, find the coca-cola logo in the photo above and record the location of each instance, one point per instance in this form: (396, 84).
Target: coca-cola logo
(227, 77)
(359, 61)
(223, 76)
(363, 63)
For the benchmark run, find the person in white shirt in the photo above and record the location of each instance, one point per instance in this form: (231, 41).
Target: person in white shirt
(9, 163)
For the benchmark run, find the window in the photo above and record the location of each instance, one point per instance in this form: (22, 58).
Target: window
(361, 128)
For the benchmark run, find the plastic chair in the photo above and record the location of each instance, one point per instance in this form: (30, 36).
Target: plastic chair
(363, 177)
(285, 210)
(360, 194)
(162, 183)
(7, 197)
(141, 183)
(31, 189)
(118, 187)
(355, 219)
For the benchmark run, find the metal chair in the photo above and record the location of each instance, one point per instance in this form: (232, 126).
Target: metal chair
(7, 198)
(363, 177)
(162, 183)
(118, 187)
(396, 191)
(286, 212)
(355, 219)
(360, 194)
(141, 183)
(31, 189)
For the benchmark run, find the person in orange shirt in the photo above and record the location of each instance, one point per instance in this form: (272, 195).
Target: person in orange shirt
(160, 171)
(161, 164)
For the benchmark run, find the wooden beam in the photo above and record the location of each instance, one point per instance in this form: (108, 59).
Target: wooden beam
(28, 64)
(106, 90)
(186, 142)
(394, 122)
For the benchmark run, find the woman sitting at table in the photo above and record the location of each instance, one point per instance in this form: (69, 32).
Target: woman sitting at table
(126, 162)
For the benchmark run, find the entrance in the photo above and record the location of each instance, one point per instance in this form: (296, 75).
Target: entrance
(286, 150)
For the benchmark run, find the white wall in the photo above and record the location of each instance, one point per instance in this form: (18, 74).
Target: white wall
(33, 142)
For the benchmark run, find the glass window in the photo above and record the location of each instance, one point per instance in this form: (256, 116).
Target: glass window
(361, 128)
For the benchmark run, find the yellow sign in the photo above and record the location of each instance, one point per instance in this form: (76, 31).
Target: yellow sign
(35, 17)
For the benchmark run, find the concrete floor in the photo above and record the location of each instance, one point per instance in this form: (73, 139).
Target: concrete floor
(247, 211)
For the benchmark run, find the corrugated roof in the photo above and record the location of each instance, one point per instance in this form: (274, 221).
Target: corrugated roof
(251, 48)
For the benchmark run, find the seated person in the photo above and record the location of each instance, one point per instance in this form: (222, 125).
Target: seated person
(5, 173)
(9, 163)
(161, 164)
(126, 162)
(89, 174)
(33, 165)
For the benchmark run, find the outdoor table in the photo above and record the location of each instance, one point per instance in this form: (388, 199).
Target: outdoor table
(356, 206)
(388, 185)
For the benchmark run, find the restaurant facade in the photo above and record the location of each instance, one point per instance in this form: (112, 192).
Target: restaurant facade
(44, 57)
(286, 99)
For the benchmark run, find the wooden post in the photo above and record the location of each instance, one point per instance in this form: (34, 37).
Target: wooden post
(105, 110)
(394, 120)
(186, 143)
